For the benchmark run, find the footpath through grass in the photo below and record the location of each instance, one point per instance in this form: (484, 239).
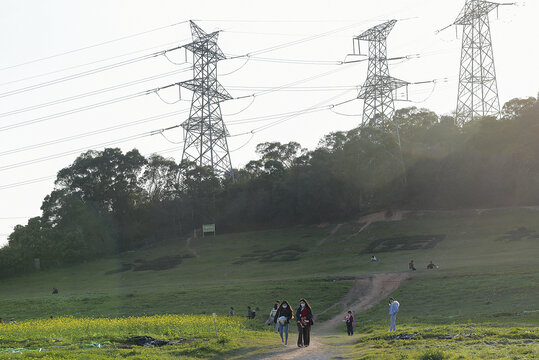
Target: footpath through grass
(487, 285)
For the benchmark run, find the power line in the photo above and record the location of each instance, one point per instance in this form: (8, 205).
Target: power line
(91, 133)
(296, 88)
(89, 63)
(280, 87)
(86, 73)
(295, 42)
(27, 182)
(74, 111)
(274, 21)
(315, 106)
(290, 61)
(272, 117)
(91, 93)
(92, 46)
(50, 177)
(86, 148)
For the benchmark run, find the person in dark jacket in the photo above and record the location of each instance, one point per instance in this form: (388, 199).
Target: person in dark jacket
(349, 320)
(282, 318)
(251, 314)
(304, 315)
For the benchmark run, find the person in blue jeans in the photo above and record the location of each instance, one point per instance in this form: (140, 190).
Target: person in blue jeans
(393, 310)
(282, 317)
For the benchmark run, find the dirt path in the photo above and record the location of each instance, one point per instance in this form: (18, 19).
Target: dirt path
(333, 232)
(316, 351)
(189, 248)
(380, 216)
(366, 292)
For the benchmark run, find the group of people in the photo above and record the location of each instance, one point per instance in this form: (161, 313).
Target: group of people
(430, 266)
(11, 321)
(282, 314)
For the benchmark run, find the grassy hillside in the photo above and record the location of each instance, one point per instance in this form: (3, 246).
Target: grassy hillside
(488, 271)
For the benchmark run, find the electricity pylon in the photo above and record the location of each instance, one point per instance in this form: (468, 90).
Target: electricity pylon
(478, 91)
(377, 90)
(204, 131)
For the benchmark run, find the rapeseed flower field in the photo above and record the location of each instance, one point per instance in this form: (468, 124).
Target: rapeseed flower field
(189, 336)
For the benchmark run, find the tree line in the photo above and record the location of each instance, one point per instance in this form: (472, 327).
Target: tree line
(108, 202)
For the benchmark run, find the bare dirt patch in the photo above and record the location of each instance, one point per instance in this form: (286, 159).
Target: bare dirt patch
(412, 242)
(289, 253)
(520, 233)
(162, 263)
(315, 351)
(366, 292)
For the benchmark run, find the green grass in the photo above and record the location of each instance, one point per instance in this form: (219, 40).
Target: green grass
(433, 342)
(192, 337)
(488, 275)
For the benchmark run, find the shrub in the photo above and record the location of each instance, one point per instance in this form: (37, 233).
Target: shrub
(433, 355)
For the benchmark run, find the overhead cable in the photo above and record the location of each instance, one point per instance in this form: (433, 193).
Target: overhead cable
(50, 177)
(91, 93)
(84, 108)
(86, 73)
(91, 133)
(93, 45)
(89, 63)
(74, 111)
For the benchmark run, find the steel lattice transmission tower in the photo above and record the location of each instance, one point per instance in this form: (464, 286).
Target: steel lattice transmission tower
(205, 133)
(377, 90)
(478, 91)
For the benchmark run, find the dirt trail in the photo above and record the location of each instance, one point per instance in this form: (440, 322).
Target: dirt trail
(380, 216)
(316, 351)
(366, 292)
(189, 248)
(333, 232)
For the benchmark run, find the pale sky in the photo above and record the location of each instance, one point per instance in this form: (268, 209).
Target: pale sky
(32, 32)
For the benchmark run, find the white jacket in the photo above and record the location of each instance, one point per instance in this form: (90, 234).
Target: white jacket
(394, 307)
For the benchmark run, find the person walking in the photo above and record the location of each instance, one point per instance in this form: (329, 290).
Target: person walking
(282, 318)
(349, 320)
(271, 317)
(393, 310)
(277, 305)
(304, 315)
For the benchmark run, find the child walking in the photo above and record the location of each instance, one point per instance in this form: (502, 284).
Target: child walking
(349, 320)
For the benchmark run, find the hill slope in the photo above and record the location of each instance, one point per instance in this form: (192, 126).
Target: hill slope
(488, 271)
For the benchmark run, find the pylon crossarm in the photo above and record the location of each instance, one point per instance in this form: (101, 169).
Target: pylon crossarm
(378, 32)
(211, 53)
(474, 9)
(217, 91)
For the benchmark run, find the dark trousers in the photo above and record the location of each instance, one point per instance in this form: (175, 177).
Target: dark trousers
(304, 335)
(350, 327)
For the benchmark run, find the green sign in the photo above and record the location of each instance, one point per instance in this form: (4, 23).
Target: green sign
(208, 228)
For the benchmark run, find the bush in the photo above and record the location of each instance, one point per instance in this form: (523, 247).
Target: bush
(433, 355)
